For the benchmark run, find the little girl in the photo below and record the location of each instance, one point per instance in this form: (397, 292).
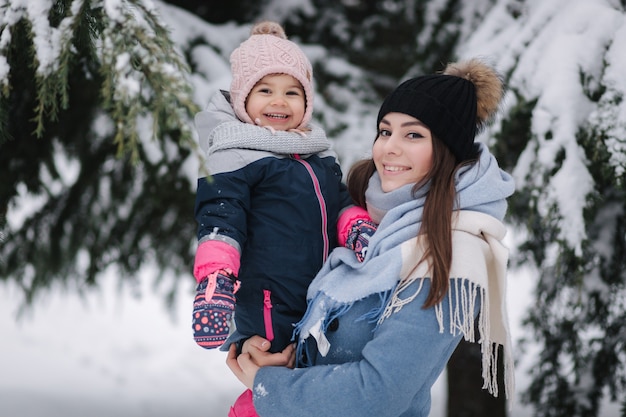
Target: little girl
(268, 213)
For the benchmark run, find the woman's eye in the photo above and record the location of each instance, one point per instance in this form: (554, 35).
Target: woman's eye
(414, 135)
(384, 132)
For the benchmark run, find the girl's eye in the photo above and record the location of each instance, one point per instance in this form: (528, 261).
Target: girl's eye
(293, 93)
(264, 90)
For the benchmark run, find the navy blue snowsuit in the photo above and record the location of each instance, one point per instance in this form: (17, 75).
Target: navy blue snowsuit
(279, 210)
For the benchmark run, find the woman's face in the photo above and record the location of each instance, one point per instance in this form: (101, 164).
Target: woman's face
(277, 100)
(403, 151)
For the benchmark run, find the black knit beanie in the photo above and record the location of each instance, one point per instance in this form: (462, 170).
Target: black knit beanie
(444, 103)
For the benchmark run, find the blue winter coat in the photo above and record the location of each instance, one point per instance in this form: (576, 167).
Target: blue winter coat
(367, 372)
(279, 209)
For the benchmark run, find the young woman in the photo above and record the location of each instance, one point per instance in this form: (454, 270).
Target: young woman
(378, 333)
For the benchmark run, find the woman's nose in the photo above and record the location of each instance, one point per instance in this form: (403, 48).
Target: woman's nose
(392, 145)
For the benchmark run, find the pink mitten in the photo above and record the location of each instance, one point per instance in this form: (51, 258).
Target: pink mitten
(359, 237)
(213, 308)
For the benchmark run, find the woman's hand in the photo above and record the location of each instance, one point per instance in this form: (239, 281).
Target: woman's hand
(258, 348)
(254, 355)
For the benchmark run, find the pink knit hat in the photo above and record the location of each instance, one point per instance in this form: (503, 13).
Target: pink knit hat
(267, 51)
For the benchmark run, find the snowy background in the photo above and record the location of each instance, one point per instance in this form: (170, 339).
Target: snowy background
(112, 352)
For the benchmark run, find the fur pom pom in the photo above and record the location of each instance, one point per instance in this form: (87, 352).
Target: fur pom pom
(268, 28)
(488, 83)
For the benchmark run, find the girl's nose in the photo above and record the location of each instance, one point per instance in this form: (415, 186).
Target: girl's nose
(278, 101)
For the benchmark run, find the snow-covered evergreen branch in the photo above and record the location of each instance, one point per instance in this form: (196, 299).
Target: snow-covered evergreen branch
(143, 75)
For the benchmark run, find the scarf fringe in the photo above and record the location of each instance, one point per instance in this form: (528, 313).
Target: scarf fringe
(301, 335)
(463, 295)
(332, 313)
(374, 314)
(462, 321)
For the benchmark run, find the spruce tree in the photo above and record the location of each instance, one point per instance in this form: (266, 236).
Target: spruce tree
(562, 136)
(80, 81)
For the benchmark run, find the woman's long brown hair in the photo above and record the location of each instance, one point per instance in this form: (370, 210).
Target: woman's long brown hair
(436, 218)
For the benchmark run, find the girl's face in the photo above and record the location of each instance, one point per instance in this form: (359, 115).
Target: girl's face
(403, 151)
(277, 100)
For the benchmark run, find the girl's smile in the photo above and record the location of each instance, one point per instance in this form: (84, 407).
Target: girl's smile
(278, 101)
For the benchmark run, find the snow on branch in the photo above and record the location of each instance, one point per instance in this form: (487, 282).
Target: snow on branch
(143, 75)
(555, 57)
(143, 72)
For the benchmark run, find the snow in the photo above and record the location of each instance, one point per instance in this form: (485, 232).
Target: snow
(547, 49)
(108, 353)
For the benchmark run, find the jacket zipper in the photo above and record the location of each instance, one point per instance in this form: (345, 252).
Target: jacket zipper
(267, 315)
(321, 201)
